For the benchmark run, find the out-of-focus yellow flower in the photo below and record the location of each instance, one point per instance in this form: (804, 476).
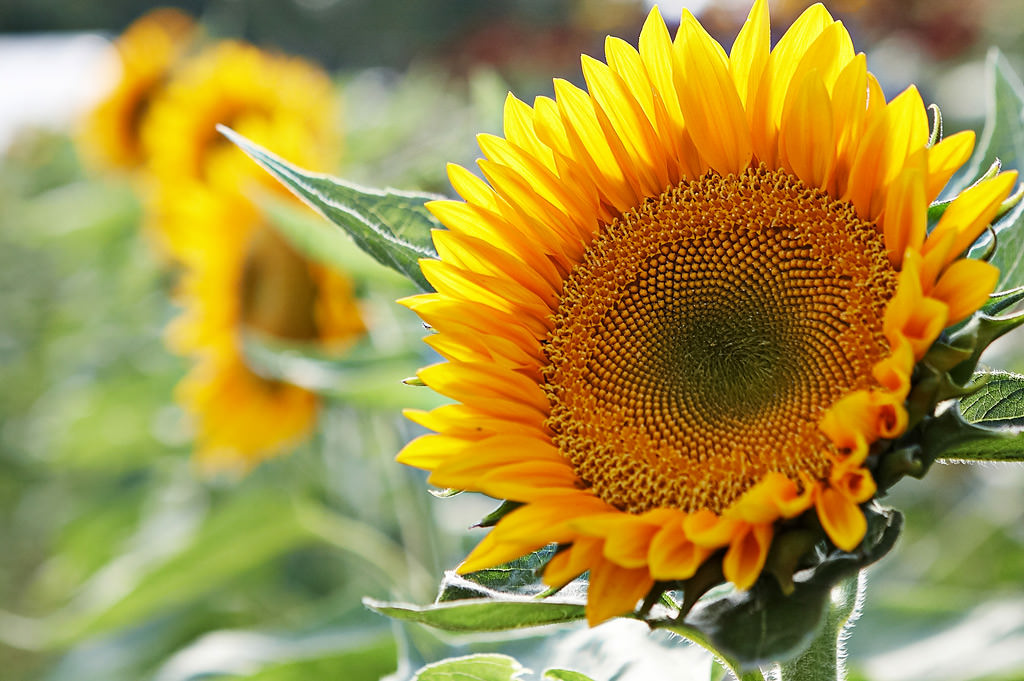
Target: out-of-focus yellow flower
(240, 277)
(146, 53)
(284, 103)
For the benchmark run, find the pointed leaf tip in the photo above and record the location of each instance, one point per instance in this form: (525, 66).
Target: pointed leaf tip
(391, 225)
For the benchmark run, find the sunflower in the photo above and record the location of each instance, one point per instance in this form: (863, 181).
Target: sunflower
(146, 54)
(688, 301)
(240, 277)
(272, 99)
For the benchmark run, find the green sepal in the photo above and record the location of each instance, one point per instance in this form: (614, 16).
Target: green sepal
(981, 331)
(764, 625)
(1004, 300)
(392, 226)
(492, 518)
(936, 133)
(787, 551)
(444, 493)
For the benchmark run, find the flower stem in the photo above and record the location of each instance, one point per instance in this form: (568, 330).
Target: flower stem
(824, 658)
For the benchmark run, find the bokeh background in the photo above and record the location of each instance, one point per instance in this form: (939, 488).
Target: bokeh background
(123, 558)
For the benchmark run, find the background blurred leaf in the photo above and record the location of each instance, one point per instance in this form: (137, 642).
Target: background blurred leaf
(239, 537)
(1002, 139)
(1003, 134)
(391, 225)
(364, 653)
(362, 376)
(491, 667)
(565, 675)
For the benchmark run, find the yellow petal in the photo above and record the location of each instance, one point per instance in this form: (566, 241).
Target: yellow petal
(747, 553)
(945, 158)
(750, 52)
(672, 555)
(806, 133)
(842, 519)
(572, 562)
(711, 107)
(965, 286)
(906, 210)
(614, 590)
(970, 213)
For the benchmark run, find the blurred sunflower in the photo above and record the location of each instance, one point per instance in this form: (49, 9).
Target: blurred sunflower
(686, 303)
(276, 100)
(146, 54)
(240, 276)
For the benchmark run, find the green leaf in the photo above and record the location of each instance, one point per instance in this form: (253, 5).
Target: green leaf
(361, 376)
(223, 548)
(392, 226)
(950, 436)
(355, 653)
(308, 234)
(1003, 134)
(489, 667)
(482, 614)
(999, 402)
(519, 577)
(565, 675)
(1002, 139)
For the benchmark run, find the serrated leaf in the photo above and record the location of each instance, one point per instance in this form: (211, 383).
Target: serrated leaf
(565, 675)
(485, 667)
(482, 615)
(391, 225)
(999, 402)
(950, 436)
(518, 577)
(1003, 134)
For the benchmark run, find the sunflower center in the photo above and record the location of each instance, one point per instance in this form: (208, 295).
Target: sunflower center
(278, 294)
(705, 333)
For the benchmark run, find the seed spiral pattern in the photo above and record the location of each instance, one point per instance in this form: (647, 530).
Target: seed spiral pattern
(704, 334)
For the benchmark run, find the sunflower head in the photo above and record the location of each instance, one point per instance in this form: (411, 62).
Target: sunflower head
(241, 279)
(681, 317)
(146, 54)
(281, 101)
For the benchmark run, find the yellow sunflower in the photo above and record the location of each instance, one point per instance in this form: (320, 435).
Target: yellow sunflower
(688, 300)
(146, 54)
(272, 99)
(240, 276)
